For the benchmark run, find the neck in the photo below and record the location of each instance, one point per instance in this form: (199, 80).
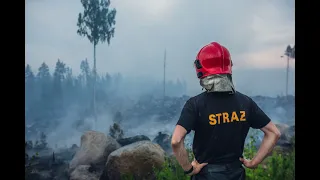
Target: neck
(218, 83)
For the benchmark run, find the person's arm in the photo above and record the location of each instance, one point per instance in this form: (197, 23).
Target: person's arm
(259, 120)
(185, 124)
(180, 152)
(271, 136)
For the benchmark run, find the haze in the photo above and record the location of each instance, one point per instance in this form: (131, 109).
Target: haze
(255, 32)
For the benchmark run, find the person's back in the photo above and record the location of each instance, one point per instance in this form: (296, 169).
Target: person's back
(221, 123)
(221, 118)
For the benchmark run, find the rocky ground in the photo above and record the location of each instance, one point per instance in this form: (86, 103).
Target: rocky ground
(101, 157)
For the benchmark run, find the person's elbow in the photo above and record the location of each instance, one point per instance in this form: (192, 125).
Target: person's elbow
(277, 134)
(273, 136)
(175, 142)
(271, 130)
(177, 139)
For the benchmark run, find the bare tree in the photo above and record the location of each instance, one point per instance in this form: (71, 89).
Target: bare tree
(164, 76)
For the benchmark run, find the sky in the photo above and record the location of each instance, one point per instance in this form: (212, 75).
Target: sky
(255, 32)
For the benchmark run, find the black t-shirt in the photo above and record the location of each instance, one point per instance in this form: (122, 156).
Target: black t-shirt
(221, 123)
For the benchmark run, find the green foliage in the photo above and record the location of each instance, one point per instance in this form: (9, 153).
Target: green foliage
(170, 170)
(278, 166)
(127, 177)
(97, 21)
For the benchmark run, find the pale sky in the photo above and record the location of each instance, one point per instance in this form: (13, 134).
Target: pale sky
(255, 32)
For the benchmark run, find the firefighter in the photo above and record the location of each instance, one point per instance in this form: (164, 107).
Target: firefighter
(221, 118)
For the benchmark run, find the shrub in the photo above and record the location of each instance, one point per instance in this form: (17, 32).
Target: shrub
(278, 166)
(171, 170)
(115, 131)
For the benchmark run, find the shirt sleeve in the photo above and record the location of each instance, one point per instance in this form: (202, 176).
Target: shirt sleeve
(188, 116)
(258, 119)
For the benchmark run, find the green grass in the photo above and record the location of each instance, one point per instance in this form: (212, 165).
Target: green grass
(171, 170)
(278, 166)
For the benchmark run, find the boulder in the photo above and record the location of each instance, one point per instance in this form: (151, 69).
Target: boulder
(137, 159)
(82, 172)
(164, 140)
(130, 140)
(94, 149)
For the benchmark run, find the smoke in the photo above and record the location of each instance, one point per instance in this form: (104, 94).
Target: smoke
(70, 128)
(148, 127)
(68, 133)
(143, 114)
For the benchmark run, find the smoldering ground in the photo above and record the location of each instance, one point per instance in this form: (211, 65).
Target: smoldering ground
(69, 129)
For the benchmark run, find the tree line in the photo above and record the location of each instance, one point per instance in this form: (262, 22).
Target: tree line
(50, 95)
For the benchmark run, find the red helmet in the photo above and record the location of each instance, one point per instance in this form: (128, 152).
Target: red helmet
(213, 59)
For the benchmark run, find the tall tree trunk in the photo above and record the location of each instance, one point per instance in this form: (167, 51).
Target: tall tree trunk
(94, 83)
(287, 77)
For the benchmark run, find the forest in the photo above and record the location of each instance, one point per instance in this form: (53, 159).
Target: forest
(49, 96)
